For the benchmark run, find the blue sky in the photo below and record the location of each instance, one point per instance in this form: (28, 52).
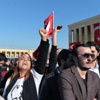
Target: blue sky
(20, 20)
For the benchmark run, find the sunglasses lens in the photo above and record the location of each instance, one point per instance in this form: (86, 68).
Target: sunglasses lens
(92, 55)
(88, 55)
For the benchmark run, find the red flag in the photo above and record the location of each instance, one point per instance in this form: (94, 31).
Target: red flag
(97, 33)
(48, 24)
(36, 52)
(72, 44)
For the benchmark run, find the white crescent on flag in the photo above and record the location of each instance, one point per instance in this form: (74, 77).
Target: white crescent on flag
(96, 28)
(98, 38)
(71, 47)
(97, 33)
(48, 26)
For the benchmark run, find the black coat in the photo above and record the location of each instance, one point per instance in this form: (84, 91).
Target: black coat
(50, 90)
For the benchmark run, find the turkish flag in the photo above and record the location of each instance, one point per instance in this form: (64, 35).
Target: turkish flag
(97, 33)
(72, 44)
(48, 24)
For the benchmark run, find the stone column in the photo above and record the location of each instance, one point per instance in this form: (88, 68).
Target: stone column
(74, 36)
(15, 54)
(70, 36)
(92, 32)
(85, 34)
(9, 53)
(19, 53)
(80, 35)
(5, 53)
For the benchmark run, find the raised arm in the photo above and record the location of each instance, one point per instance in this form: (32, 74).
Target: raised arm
(42, 57)
(53, 55)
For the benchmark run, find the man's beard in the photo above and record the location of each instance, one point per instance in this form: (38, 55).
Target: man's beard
(84, 68)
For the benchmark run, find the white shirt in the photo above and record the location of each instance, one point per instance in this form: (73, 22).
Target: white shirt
(37, 79)
(96, 70)
(16, 91)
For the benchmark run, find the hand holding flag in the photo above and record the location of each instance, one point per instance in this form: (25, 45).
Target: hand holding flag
(48, 24)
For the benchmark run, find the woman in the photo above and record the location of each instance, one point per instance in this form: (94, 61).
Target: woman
(24, 82)
(8, 74)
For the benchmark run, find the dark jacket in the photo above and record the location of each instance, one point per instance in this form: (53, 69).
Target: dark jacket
(50, 90)
(52, 59)
(0, 75)
(72, 87)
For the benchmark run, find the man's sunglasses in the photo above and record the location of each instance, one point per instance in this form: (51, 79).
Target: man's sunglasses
(87, 55)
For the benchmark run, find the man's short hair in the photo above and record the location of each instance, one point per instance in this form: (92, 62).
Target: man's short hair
(2, 57)
(63, 55)
(75, 52)
(92, 43)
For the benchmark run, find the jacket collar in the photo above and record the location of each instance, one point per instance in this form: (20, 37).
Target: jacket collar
(80, 82)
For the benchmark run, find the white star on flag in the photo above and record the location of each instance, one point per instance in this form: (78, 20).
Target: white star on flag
(98, 38)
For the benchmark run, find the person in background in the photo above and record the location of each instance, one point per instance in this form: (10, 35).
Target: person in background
(9, 73)
(33, 63)
(52, 57)
(2, 61)
(24, 83)
(78, 82)
(6, 67)
(50, 90)
(52, 61)
(95, 50)
(7, 64)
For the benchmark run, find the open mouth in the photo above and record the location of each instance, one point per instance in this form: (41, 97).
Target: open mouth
(24, 64)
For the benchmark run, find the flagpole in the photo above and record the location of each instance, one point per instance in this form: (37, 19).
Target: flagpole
(53, 19)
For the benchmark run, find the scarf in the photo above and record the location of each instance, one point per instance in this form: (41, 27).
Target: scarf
(29, 88)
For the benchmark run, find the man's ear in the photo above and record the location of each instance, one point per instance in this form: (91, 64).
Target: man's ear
(98, 53)
(74, 58)
(62, 62)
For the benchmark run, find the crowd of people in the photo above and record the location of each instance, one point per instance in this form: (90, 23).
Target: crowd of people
(70, 74)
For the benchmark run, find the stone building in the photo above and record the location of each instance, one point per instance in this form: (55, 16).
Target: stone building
(85, 30)
(14, 53)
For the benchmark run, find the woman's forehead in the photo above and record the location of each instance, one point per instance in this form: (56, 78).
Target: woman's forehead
(24, 55)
